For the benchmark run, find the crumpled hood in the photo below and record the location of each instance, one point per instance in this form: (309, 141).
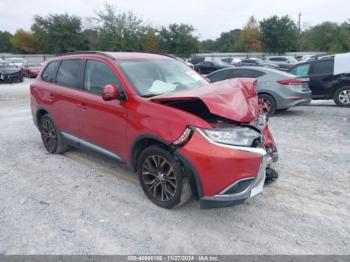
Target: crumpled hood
(9, 70)
(234, 99)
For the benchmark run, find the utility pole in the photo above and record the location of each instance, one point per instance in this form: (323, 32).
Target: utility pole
(299, 30)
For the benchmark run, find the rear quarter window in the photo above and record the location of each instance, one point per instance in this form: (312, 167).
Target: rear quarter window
(323, 67)
(49, 74)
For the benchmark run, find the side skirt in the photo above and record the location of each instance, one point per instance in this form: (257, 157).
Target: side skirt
(76, 141)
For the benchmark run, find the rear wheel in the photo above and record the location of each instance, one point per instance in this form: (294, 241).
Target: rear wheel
(269, 101)
(51, 137)
(162, 179)
(342, 96)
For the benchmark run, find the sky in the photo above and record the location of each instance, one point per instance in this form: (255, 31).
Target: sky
(209, 17)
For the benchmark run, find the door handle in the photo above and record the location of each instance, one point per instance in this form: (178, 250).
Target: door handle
(83, 106)
(51, 97)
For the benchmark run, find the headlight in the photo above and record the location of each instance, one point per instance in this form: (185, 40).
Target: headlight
(237, 136)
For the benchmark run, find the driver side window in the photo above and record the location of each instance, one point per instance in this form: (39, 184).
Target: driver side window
(97, 75)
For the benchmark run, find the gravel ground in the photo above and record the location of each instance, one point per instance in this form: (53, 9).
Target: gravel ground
(82, 203)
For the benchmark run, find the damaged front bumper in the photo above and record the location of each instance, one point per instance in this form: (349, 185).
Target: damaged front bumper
(226, 175)
(241, 190)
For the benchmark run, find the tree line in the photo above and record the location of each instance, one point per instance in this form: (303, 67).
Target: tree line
(114, 30)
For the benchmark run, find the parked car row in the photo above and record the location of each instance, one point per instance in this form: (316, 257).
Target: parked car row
(182, 134)
(14, 69)
(10, 73)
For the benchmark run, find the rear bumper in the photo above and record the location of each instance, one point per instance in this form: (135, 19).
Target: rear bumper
(293, 98)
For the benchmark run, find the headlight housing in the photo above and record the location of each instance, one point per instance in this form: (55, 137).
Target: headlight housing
(236, 136)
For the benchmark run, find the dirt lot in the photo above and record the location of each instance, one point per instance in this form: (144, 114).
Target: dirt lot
(81, 203)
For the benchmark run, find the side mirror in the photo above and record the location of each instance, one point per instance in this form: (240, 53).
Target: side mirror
(110, 92)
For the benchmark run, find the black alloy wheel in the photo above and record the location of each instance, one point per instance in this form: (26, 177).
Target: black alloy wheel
(159, 177)
(51, 137)
(162, 178)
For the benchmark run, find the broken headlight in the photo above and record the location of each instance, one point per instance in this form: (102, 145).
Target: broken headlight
(236, 136)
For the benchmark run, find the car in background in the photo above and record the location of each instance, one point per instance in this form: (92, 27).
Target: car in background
(210, 65)
(184, 61)
(182, 134)
(31, 69)
(278, 90)
(18, 62)
(284, 63)
(253, 61)
(329, 77)
(10, 73)
(196, 60)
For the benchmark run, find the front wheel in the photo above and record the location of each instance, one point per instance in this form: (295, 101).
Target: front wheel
(269, 101)
(342, 96)
(162, 179)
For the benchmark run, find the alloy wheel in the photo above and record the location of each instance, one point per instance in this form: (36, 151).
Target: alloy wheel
(267, 102)
(344, 96)
(159, 177)
(49, 135)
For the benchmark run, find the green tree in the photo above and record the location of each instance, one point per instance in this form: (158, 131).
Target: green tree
(208, 45)
(328, 37)
(119, 31)
(58, 33)
(178, 39)
(25, 43)
(227, 40)
(150, 42)
(279, 34)
(5, 42)
(250, 37)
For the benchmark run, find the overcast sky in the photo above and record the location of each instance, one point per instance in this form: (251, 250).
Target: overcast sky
(209, 17)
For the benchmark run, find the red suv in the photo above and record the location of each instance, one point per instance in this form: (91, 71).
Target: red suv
(183, 135)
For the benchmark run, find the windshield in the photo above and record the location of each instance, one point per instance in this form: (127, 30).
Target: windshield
(156, 77)
(7, 65)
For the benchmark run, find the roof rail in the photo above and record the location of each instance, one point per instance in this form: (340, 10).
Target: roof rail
(88, 52)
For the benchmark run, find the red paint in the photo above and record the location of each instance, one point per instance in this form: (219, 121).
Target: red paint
(117, 124)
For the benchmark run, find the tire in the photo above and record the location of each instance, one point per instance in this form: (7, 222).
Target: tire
(162, 178)
(51, 136)
(270, 101)
(342, 96)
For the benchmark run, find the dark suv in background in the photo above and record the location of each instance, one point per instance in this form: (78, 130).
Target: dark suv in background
(324, 82)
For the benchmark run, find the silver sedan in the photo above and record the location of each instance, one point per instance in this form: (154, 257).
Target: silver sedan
(279, 90)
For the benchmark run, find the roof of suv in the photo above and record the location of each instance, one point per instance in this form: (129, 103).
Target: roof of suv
(119, 55)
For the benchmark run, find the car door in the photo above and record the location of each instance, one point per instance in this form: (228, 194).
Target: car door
(102, 123)
(63, 84)
(321, 72)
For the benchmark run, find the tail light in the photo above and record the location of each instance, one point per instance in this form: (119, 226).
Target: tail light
(291, 81)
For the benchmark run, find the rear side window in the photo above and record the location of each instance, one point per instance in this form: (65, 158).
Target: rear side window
(323, 67)
(301, 70)
(69, 73)
(97, 75)
(49, 75)
(220, 75)
(247, 73)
